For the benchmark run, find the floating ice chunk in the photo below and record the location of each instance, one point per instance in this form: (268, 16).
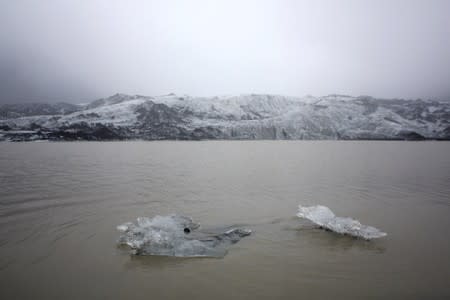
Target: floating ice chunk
(176, 236)
(324, 217)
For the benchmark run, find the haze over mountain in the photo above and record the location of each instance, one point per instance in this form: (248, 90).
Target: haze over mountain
(58, 54)
(55, 51)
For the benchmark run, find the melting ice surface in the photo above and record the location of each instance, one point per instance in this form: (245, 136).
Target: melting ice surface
(324, 217)
(176, 235)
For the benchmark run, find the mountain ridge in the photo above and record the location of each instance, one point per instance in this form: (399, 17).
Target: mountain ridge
(247, 116)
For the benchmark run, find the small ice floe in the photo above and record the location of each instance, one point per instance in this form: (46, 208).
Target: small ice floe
(325, 218)
(176, 236)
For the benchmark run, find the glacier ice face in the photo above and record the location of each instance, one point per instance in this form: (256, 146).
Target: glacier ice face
(176, 235)
(230, 117)
(324, 217)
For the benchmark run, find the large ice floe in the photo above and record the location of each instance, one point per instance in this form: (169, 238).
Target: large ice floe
(325, 218)
(177, 235)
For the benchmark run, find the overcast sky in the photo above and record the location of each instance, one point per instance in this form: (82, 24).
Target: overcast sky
(82, 50)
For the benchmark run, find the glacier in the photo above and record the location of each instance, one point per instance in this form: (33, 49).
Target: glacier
(237, 117)
(176, 235)
(325, 218)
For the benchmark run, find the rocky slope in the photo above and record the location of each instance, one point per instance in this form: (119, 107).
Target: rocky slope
(121, 117)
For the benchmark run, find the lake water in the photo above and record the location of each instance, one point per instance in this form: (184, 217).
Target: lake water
(60, 204)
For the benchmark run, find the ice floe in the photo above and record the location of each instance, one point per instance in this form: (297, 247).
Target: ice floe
(176, 235)
(325, 218)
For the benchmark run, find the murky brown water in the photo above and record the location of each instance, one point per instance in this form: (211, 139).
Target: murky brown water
(60, 204)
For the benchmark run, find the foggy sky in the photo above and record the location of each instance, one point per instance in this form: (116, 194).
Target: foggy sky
(81, 50)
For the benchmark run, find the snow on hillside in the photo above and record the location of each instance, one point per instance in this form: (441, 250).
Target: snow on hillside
(242, 117)
(117, 113)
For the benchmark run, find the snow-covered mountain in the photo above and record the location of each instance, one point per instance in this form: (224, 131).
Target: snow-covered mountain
(228, 117)
(34, 109)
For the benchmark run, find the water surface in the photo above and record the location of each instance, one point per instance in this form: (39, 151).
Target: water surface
(60, 204)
